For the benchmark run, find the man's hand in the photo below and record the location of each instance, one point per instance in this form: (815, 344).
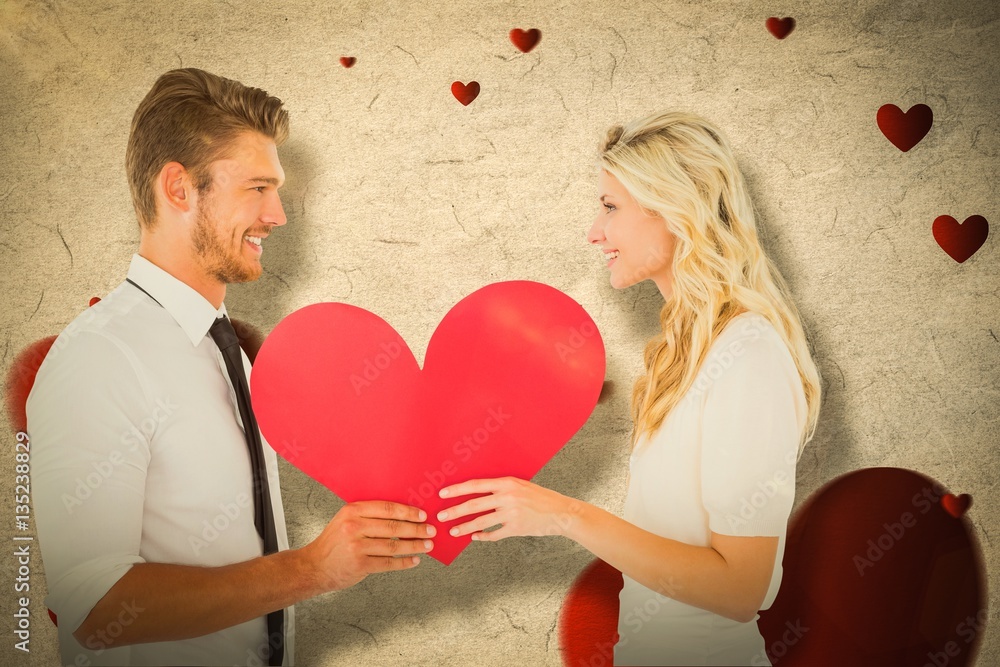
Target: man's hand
(366, 537)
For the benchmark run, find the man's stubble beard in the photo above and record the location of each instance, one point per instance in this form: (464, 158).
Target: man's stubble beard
(213, 253)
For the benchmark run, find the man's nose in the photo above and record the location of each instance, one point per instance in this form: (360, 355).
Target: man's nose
(274, 213)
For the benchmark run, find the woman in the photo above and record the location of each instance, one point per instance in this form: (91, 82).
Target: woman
(729, 396)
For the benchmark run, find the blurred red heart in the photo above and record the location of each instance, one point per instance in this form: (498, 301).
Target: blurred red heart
(960, 240)
(780, 27)
(904, 130)
(525, 40)
(511, 373)
(347, 61)
(465, 93)
(956, 505)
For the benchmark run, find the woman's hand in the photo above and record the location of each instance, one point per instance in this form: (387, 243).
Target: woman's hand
(520, 507)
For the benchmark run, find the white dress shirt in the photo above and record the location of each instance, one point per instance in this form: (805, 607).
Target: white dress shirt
(138, 455)
(722, 461)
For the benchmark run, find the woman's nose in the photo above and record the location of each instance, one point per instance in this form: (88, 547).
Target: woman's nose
(596, 232)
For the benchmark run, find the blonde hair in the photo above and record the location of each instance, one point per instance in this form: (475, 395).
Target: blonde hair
(680, 166)
(192, 117)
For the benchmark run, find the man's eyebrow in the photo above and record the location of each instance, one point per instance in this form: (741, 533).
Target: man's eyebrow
(262, 179)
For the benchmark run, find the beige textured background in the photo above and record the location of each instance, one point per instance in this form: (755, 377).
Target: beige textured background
(402, 201)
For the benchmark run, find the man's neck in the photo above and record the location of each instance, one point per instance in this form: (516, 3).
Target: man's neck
(179, 263)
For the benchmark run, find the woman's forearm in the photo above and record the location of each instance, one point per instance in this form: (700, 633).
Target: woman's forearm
(698, 576)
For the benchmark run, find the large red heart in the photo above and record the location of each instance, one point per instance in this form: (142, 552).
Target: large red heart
(960, 240)
(904, 130)
(511, 373)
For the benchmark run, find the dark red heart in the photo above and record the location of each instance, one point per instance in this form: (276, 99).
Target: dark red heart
(511, 373)
(961, 241)
(956, 505)
(525, 40)
(780, 27)
(904, 130)
(465, 93)
(347, 61)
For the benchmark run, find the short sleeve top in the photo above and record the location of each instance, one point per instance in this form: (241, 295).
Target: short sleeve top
(724, 459)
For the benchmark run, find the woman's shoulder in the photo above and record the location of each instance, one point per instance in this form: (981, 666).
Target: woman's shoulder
(752, 330)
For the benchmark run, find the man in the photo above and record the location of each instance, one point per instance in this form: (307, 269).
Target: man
(153, 506)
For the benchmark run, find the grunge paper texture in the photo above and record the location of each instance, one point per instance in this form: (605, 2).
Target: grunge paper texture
(400, 200)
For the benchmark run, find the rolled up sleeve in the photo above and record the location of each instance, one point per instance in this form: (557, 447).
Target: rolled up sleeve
(89, 456)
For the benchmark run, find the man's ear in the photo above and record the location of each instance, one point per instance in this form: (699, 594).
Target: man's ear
(175, 188)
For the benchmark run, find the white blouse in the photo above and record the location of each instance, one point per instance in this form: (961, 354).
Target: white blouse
(723, 460)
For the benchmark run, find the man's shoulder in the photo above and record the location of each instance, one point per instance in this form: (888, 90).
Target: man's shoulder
(105, 329)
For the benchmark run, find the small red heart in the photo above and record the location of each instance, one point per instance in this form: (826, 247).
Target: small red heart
(525, 40)
(347, 61)
(904, 130)
(956, 505)
(465, 93)
(94, 299)
(510, 374)
(780, 27)
(960, 240)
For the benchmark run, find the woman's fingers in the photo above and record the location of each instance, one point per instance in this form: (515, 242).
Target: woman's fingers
(477, 524)
(477, 486)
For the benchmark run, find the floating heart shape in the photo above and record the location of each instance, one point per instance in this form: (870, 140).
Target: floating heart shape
(960, 240)
(525, 40)
(956, 505)
(511, 373)
(904, 130)
(347, 61)
(465, 93)
(780, 27)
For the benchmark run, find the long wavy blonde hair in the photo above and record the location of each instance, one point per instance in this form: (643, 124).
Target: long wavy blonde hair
(680, 166)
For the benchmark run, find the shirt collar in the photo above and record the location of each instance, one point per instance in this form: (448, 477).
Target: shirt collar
(191, 310)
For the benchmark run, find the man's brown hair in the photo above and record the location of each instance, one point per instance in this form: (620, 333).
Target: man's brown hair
(191, 116)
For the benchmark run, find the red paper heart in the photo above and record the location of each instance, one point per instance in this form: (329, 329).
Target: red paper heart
(960, 240)
(525, 40)
(511, 373)
(904, 130)
(465, 93)
(780, 27)
(347, 61)
(956, 505)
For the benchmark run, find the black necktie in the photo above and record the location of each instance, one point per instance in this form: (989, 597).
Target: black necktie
(224, 335)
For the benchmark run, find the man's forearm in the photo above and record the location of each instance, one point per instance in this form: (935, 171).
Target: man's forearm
(162, 602)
